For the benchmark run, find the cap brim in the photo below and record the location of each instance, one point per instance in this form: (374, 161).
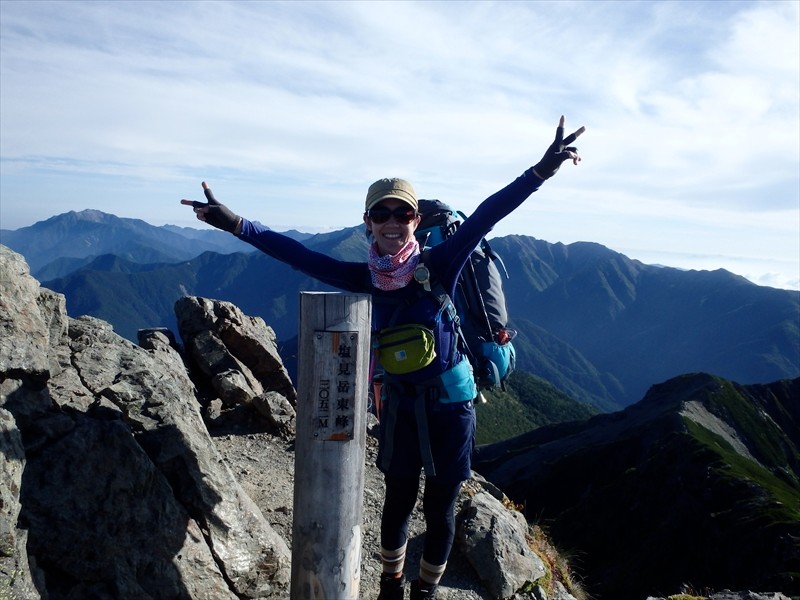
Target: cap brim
(380, 199)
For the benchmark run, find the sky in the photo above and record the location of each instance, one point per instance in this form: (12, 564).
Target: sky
(290, 110)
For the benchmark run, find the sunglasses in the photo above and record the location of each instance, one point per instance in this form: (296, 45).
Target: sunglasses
(381, 214)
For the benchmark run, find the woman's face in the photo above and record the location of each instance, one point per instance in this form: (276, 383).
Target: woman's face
(392, 235)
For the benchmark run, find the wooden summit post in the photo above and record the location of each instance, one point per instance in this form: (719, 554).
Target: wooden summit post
(333, 373)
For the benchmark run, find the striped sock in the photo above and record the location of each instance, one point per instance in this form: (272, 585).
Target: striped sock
(393, 560)
(430, 574)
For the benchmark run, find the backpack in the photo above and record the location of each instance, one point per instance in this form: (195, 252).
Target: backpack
(479, 298)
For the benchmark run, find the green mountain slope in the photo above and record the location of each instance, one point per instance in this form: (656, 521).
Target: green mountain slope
(698, 482)
(528, 402)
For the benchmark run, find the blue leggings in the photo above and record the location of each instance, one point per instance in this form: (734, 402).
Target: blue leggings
(438, 504)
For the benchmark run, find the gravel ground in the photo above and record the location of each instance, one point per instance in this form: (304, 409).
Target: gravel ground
(264, 465)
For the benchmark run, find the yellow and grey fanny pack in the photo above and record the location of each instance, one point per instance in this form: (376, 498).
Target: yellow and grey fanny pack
(405, 348)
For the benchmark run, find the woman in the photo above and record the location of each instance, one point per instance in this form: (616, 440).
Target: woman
(427, 416)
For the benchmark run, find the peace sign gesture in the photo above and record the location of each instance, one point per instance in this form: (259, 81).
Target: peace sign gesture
(559, 151)
(213, 212)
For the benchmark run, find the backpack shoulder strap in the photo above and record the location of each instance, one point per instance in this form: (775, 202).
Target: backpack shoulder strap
(432, 284)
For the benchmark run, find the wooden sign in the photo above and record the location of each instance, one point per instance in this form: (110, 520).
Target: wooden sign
(334, 385)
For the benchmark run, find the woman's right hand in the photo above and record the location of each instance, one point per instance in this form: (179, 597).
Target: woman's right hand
(215, 214)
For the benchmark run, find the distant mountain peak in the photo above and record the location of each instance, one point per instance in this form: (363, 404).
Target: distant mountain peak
(91, 214)
(80, 236)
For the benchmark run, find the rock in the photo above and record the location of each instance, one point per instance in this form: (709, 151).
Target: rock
(560, 592)
(728, 595)
(111, 485)
(494, 540)
(238, 356)
(157, 338)
(16, 575)
(26, 331)
(234, 386)
(160, 399)
(278, 411)
(111, 529)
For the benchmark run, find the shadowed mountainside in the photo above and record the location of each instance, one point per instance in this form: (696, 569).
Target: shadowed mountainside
(698, 482)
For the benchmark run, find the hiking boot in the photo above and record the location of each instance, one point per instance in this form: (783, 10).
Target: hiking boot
(392, 588)
(422, 591)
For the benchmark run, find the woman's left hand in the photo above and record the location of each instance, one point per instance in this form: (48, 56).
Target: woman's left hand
(558, 152)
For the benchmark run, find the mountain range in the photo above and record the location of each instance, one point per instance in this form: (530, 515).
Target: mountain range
(597, 325)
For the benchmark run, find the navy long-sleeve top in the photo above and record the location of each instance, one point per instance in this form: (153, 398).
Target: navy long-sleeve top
(444, 260)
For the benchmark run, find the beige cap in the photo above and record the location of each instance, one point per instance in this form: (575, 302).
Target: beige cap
(391, 188)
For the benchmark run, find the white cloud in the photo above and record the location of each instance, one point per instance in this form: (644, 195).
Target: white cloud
(691, 109)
